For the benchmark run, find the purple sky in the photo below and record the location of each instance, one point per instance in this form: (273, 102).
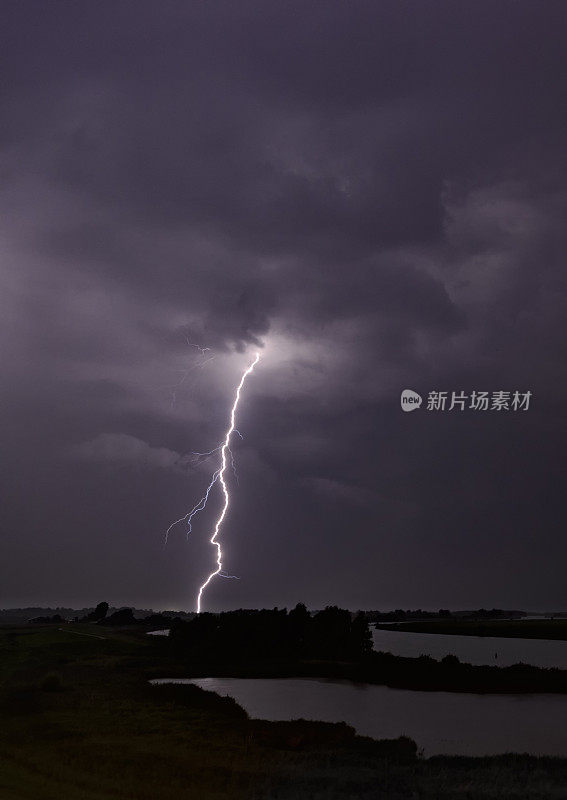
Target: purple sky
(373, 194)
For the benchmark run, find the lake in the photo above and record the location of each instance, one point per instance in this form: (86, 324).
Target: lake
(440, 722)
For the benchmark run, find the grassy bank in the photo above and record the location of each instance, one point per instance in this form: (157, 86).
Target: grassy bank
(397, 672)
(507, 629)
(273, 643)
(80, 722)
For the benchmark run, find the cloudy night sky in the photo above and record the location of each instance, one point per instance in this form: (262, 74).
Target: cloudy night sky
(373, 196)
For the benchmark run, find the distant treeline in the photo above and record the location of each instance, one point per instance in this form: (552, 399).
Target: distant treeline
(65, 614)
(102, 614)
(399, 615)
(133, 616)
(124, 616)
(332, 634)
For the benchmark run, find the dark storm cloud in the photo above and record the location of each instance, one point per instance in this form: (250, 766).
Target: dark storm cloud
(376, 192)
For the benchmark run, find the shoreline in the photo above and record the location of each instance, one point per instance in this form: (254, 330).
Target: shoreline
(396, 672)
(81, 720)
(530, 630)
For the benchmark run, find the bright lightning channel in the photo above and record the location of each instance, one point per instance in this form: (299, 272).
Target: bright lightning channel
(218, 475)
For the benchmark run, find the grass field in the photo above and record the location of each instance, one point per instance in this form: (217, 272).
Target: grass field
(79, 721)
(508, 629)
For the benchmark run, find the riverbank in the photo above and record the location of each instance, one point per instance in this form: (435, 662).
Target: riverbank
(555, 629)
(81, 722)
(487, 650)
(495, 724)
(397, 672)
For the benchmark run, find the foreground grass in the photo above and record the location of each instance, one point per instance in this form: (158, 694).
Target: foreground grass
(80, 722)
(507, 629)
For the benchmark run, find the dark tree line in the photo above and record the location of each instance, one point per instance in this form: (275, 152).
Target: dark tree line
(399, 615)
(330, 634)
(98, 614)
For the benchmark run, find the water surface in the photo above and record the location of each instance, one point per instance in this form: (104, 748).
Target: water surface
(473, 649)
(440, 722)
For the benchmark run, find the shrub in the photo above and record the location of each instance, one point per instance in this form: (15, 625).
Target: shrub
(51, 683)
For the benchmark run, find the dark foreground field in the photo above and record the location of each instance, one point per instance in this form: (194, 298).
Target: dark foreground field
(80, 722)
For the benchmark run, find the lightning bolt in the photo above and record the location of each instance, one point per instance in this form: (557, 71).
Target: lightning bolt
(218, 476)
(185, 372)
(195, 510)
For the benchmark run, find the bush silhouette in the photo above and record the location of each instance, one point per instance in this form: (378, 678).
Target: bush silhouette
(274, 634)
(51, 683)
(98, 614)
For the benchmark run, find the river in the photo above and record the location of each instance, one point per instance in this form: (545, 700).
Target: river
(473, 649)
(440, 722)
